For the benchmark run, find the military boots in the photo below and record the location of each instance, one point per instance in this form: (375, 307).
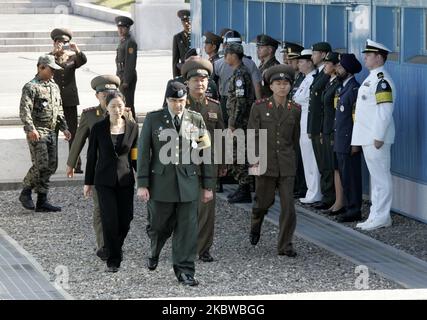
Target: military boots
(43, 206)
(26, 200)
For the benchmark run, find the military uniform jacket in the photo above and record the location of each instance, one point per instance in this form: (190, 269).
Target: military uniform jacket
(298, 80)
(374, 109)
(107, 166)
(314, 121)
(328, 107)
(41, 107)
(240, 97)
(283, 133)
(126, 59)
(89, 117)
(172, 182)
(212, 115)
(265, 89)
(345, 108)
(66, 78)
(180, 45)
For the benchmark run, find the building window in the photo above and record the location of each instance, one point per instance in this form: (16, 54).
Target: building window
(387, 29)
(413, 48)
(313, 25)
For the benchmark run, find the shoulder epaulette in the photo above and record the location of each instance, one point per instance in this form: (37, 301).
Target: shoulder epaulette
(89, 109)
(293, 104)
(260, 101)
(380, 75)
(212, 100)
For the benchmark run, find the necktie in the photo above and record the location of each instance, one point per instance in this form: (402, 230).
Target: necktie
(176, 122)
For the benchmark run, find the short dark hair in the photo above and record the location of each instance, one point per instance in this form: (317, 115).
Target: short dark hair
(113, 95)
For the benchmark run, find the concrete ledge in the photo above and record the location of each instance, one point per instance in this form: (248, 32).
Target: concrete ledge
(58, 181)
(97, 12)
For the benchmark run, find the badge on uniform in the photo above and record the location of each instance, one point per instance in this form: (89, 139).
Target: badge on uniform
(130, 50)
(342, 108)
(194, 144)
(363, 97)
(383, 85)
(267, 114)
(239, 82)
(212, 115)
(44, 103)
(367, 83)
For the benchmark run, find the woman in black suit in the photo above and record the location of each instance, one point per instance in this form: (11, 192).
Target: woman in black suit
(111, 161)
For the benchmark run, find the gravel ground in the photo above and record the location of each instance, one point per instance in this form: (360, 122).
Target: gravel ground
(67, 239)
(405, 234)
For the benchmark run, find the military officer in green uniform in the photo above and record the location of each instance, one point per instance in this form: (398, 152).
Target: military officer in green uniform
(266, 51)
(168, 178)
(197, 73)
(126, 61)
(102, 85)
(40, 111)
(69, 57)
(240, 98)
(181, 42)
(281, 118)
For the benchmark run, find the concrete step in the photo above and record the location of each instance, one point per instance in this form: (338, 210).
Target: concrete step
(36, 10)
(46, 34)
(30, 4)
(47, 41)
(48, 47)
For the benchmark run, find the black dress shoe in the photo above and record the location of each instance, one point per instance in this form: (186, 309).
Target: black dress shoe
(187, 280)
(206, 257)
(254, 238)
(102, 253)
(335, 213)
(78, 170)
(152, 263)
(321, 206)
(350, 217)
(112, 269)
(290, 253)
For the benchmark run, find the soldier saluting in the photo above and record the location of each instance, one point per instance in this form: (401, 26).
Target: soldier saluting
(126, 61)
(41, 111)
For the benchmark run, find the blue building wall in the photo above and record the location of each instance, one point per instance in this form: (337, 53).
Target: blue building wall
(399, 24)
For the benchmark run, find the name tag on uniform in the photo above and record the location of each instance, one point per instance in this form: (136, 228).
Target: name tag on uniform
(212, 115)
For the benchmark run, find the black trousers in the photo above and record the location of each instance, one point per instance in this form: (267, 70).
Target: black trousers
(116, 205)
(350, 170)
(324, 158)
(70, 114)
(300, 184)
(129, 94)
(223, 102)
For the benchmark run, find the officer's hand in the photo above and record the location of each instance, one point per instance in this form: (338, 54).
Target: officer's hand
(143, 194)
(69, 172)
(125, 85)
(67, 135)
(33, 135)
(87, 191)
(207, 195)
(74, 47)
(355, 149)
(378, 144)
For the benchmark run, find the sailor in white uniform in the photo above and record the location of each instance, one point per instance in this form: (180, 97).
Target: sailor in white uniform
(302, 97)
(374, 131)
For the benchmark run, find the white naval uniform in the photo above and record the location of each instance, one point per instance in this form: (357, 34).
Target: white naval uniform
(311, 171)
(374, 121)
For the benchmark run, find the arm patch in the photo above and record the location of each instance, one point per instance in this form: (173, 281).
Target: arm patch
(383, 94)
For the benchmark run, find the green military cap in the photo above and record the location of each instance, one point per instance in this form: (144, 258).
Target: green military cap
(279, 72)
(105, 82)
(123, 21)
(234, 47)
(183, 14)
(265, 40)
(61, 34)
(322, 46)
(212, 38)
(48, 60)
(199, 67)
(333, 57)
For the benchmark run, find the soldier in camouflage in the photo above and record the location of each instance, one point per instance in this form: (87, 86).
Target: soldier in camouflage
(41, 111)
(241, 95)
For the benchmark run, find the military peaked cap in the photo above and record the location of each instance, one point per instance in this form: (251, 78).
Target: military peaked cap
(280, 72)
(105, 82)
(61, 34)
(123, 21)
(200, 67)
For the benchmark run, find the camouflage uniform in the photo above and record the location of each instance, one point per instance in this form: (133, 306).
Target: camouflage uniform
(240, 98)
(41, 110)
